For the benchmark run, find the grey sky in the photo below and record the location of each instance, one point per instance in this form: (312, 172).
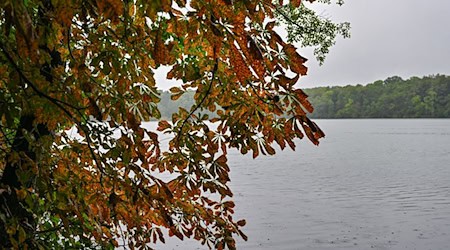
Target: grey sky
(389, 37)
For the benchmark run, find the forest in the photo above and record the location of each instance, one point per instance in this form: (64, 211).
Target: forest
(394, 97)
(427, 97)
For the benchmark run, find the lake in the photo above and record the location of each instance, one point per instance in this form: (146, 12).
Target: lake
(371, 184)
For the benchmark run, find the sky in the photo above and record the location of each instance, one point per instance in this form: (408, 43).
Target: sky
(388, 37)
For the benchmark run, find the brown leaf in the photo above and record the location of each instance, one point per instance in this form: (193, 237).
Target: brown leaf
(270, 25)
(241, 223)
(163, 125)
(296, 61)
(241, 69)
(287, 82)
(295, 3)
(161, 51)
(303, 99)
(221, 159)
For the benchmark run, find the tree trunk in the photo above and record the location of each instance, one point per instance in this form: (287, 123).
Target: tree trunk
(10, 206)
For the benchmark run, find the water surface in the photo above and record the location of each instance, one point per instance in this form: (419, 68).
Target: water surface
(371, 184)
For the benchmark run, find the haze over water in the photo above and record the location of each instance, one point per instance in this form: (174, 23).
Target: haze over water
(371, 184)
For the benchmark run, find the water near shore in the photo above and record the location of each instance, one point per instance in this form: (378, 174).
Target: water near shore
(371, 184)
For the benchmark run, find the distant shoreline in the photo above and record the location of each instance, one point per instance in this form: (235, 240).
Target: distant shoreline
(426, 97)
(393, 98)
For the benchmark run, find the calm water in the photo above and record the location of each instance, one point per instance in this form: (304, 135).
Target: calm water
(371, 184)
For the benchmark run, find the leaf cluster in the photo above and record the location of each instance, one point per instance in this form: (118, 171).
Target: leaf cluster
(310, 29)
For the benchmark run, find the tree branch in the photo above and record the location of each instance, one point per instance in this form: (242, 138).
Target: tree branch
(55, 101)
(201, 101)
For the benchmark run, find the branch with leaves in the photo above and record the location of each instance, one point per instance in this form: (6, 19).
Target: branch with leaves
(84, 72)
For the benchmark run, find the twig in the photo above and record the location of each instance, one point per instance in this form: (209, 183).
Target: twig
(68, 43)
(201, 101)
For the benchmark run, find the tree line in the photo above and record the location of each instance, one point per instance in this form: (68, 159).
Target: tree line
(426, 97)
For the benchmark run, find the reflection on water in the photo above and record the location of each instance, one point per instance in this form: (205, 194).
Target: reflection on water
(371, 184)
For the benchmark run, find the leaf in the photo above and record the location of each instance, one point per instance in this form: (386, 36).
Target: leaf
(21, 194)
(241, 223)
(152, 8)
(164, 125)
(160, 234)
(176, 96)
(222, 159)
(296, 61)
(297, 130)
(270, 25)
(269, 149)
(255, 152)
(252, 55)
(176, 93)
(22, 235)
(243, 73)
(286, 82)
(161, 50)
(295, 3)
(166, 5)
(302, 98)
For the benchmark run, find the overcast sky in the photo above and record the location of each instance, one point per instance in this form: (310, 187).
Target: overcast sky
(389, 37)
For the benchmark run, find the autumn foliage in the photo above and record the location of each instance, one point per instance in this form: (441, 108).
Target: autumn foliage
(76, 82)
